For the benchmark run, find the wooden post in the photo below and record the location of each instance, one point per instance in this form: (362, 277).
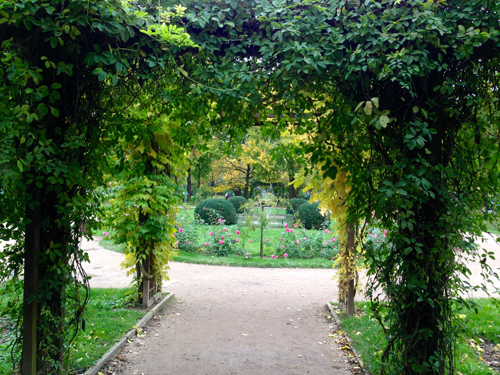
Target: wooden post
(351, 291)
(262, 232)
(30, 303)
(146, 282)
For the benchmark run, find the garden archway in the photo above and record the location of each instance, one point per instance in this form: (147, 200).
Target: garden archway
(402, 102)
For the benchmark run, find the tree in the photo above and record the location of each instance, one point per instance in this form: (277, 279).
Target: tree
(66, 71)
(418, 148)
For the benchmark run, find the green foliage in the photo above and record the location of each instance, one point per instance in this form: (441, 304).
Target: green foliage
(302, 244)
(67, 71)
(187, 235)
(225, 241)
(201, 194)
(293, 205)
(222, 210)
(310, 216)
(238, 202)
(367, 337)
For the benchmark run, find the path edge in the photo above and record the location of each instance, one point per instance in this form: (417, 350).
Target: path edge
(364, 369)
(119, 345)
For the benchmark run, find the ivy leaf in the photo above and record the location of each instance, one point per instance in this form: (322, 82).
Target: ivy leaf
(368, 108)
(384, 120)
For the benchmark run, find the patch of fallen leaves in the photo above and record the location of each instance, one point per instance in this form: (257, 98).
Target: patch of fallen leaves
(490, 353)
(340, 338)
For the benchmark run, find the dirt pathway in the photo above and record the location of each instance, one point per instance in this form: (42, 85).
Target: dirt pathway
(230, 320)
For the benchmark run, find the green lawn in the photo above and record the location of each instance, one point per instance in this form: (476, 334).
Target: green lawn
(107, 318)
(273, 235)
(369, 341)
(254, 261)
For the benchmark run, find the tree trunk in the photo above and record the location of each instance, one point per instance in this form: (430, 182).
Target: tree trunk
(30, 306)
(292, 193)
(351, 292)
(247, 181)
(189, 190)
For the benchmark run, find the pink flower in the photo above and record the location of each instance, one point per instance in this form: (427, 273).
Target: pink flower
(238, 232)
(248, 254)
(281, 239)
(250, 241)
(220, 221)
(267, 239)
(226, 230)
(181, 230)
(221, 242)
(246, 257)
(374, 235)
(187, 241)
(237, 240)
(206, 244)
(297, 241)
(222, 237)
(285, 255)
(327, 231)
(176, 242)
(333, 239)
(105, 233)
(295, 226)
(211, 233)
(321, 249)
(324, 243)
(286, 225)
(229, 234)
(304, 238)
(282, 247)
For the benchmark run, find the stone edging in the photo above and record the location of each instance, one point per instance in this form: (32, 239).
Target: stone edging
(119, 345)
(339, 324)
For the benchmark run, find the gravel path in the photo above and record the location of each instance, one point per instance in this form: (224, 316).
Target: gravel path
(231, 320)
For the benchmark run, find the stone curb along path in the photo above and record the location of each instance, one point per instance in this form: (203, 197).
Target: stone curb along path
(349, 340)
(119, 345)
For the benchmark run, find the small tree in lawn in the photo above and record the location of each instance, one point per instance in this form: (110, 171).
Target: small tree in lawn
(265, 200)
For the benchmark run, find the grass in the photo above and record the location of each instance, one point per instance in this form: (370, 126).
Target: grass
(253, 248)
(107, 319)
(369, 341)
(254, 261)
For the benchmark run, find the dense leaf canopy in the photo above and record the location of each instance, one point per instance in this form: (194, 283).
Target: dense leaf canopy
(400, 96)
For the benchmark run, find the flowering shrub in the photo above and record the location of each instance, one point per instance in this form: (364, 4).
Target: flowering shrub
(297, 243)
(374, 241)
(224, 241)
(187, 236)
